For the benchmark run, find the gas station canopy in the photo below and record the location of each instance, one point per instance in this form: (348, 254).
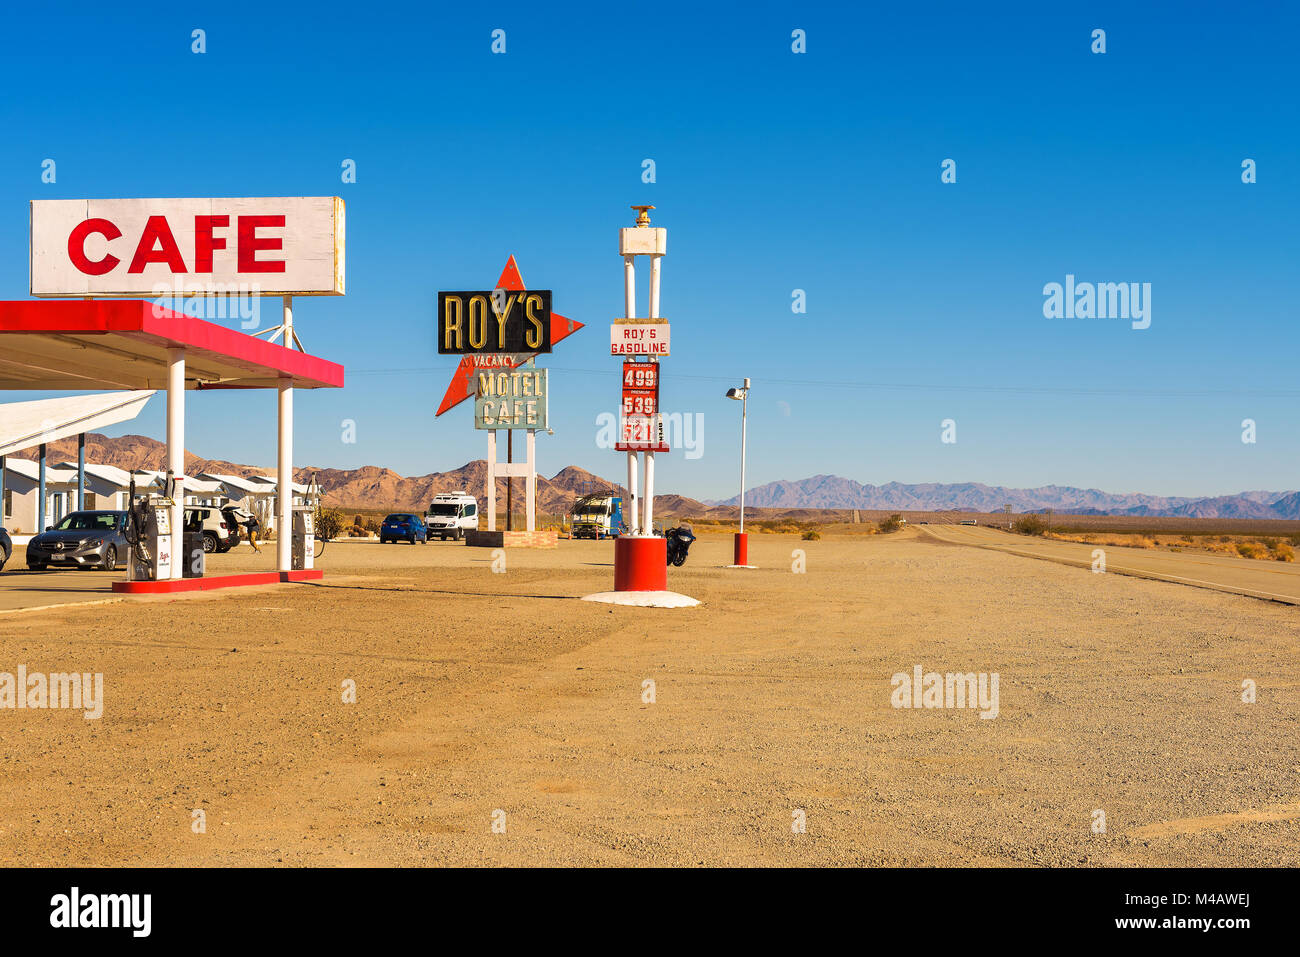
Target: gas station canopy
(72, 345)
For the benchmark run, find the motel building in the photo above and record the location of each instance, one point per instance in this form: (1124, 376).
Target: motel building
(258, 494)
(107, 488)
(22, 495)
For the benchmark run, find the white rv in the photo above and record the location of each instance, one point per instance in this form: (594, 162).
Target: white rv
(451, 514)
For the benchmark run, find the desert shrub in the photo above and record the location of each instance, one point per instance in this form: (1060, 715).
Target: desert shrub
(330, 524)
(812, 535)
(891, 524)
(1029, 525)
(1283, 552)
(1251, 550)
(1144, 542)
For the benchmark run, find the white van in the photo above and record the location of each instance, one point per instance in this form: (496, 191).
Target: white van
(451, 514)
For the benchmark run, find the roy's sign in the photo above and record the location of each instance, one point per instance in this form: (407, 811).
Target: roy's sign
(287, 246)
(631, 338)
(501, 320)
(511, 399)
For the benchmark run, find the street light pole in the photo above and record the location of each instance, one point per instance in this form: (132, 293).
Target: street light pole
(744, 417)
(740, 554)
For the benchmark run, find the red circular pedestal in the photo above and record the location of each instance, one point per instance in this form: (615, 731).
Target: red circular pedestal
(741, 553)
(640, 564)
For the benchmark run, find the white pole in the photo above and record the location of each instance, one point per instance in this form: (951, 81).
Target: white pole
(492, 481)
(176, 453)
(531, 489)
(633, 527)
(744, 415)
(284, 471)
(654, 285)
(649, 493)
(629, 286)
(655, 261)
(629, 311)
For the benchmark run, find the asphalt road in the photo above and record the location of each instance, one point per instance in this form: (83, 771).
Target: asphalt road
(1272, 580)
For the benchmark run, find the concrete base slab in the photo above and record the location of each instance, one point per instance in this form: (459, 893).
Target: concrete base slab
(740, 566)
(644, 599)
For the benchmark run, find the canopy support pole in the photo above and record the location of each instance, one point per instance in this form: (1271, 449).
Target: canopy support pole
(176, 455)
(284, 469)
(81, 471)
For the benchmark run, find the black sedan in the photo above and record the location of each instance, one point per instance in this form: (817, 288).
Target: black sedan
(6, 548)
(81, 540)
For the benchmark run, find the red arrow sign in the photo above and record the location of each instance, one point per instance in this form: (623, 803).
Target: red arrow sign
(462, 380)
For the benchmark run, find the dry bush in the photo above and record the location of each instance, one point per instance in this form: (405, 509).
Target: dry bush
(891, 524)
(1029, 525)
(1252, 550)
(812, 535)
(1283, 552)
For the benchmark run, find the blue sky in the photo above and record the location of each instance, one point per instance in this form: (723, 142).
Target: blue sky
(775, 171)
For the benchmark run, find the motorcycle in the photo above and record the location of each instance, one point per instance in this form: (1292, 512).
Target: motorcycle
(679, 542)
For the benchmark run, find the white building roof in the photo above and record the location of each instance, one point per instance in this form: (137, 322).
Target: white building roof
(107, 473)
(32, 470)
(247, 486)
(273, 483)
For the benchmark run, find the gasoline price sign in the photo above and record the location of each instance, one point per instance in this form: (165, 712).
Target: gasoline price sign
(641, 426)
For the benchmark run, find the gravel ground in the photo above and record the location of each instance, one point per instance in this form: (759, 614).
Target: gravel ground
(479, 693)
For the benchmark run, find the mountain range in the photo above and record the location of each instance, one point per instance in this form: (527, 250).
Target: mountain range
(374, 487)
(368, 487)
(832, 491)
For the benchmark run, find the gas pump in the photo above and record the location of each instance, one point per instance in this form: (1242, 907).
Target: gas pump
(149, 534)
(304, 537)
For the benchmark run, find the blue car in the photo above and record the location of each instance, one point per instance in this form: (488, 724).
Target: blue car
(403, 527)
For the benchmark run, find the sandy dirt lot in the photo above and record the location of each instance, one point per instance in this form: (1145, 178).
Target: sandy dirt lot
(479, 693)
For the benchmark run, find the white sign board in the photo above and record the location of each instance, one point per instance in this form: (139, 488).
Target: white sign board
(638, 339)
(511, 399)
(286, 246)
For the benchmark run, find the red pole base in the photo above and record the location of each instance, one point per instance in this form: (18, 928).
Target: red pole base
(640, 564)
(741, 552)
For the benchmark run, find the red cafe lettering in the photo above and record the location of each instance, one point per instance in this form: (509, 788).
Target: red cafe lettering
(252, 234)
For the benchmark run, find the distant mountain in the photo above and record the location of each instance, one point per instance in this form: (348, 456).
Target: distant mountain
(374, 487)
(368, 487)
(832, 491)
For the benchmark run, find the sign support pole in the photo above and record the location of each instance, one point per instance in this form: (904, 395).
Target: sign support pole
(492, 480)
(531, 482)
(510, 481)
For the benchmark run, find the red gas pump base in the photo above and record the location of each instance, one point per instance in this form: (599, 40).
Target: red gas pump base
(641, 575)
(740, 552)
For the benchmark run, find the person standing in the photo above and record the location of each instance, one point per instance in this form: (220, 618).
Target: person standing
(251, 526)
